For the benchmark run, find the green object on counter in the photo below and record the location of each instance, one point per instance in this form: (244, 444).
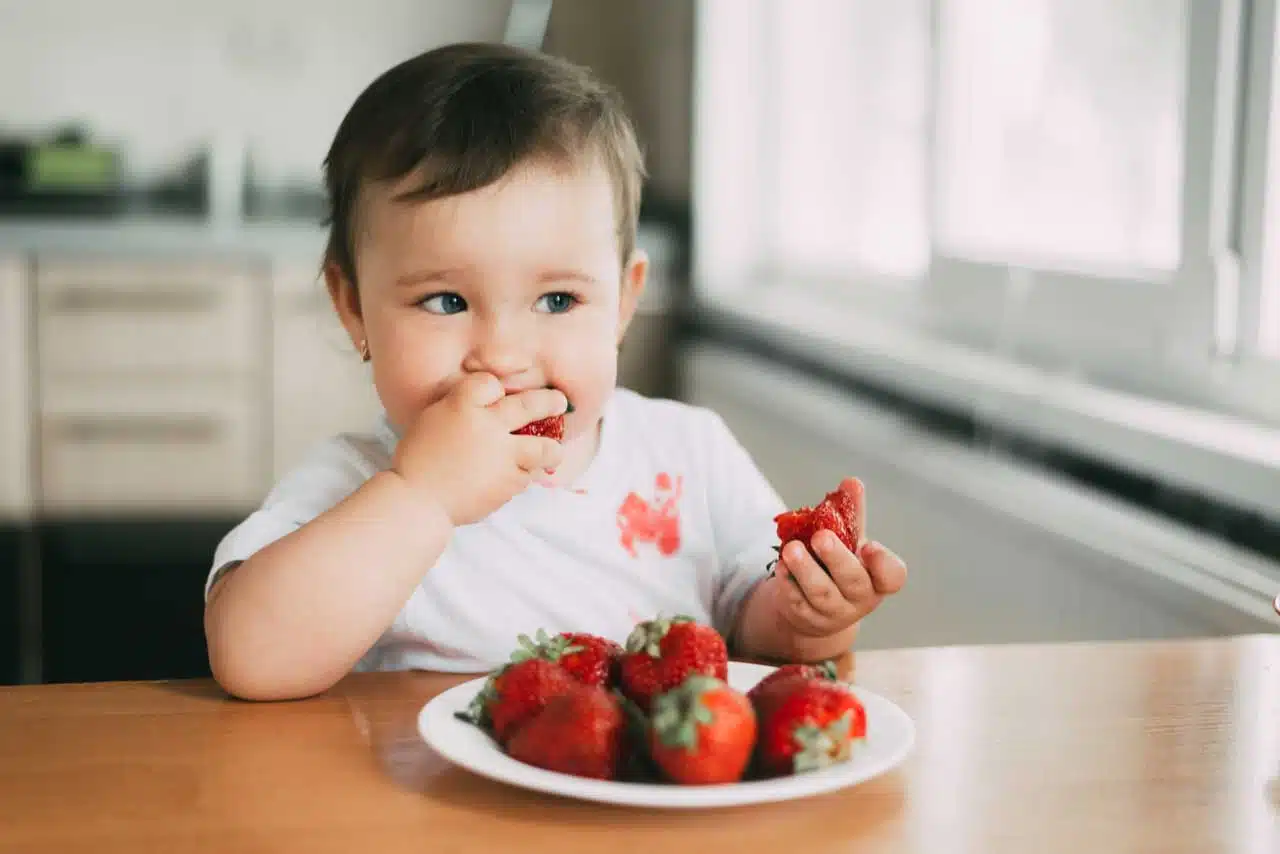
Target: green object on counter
(71, 167)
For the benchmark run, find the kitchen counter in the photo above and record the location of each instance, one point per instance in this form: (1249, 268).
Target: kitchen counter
(157, 236)
(1167, 746)
(167, 237)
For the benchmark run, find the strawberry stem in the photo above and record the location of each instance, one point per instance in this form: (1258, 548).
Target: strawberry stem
(822, 747)
(678, 713)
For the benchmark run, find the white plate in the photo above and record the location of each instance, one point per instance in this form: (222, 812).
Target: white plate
(890, 737)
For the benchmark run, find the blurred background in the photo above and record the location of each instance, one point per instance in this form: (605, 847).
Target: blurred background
(1016, 263)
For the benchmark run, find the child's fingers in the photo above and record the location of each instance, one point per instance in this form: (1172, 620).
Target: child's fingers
(858, 492)
(479, 389)
(817, 587)
(800, 615)
(537, 453)
(850, 576)
(887, 571)
(525, 407)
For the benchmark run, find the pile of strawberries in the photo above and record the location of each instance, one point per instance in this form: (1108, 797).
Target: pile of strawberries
(660, 709)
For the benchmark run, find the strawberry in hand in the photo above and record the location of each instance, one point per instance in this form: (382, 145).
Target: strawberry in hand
(551, 428)
(838, 576)
(703, 732)
(838, 512)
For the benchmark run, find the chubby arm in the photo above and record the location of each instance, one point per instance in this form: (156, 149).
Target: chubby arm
(294, 618)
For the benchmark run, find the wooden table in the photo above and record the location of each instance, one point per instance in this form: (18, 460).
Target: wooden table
(1153, 747)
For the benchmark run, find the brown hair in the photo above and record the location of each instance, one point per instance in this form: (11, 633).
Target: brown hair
(459, 117)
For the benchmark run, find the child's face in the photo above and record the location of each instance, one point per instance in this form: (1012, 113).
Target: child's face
(521, 279)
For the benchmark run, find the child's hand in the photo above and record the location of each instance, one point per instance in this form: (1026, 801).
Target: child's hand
(460, 451)
(818, 604)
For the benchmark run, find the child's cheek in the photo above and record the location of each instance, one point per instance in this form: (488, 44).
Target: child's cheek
(587, 375)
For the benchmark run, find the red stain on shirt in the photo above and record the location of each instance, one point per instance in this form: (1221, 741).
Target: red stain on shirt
(656, 521)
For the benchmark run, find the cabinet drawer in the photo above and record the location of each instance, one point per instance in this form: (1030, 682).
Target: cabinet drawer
(95, 318)
(155, 449)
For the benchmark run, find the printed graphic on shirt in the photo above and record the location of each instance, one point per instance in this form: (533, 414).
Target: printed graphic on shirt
(656, 521)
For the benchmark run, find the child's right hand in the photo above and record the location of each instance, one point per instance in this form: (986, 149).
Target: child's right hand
(460, 452)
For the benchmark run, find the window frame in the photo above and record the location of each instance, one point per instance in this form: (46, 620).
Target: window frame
(1153, 332)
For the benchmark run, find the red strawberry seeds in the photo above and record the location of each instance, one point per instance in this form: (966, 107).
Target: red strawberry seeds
(806, 724)
(591, 659)
(552, 428)
(578, 732)
(703, 732)
(514, 694)
(662, 653)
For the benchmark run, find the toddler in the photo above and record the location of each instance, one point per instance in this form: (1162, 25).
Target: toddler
(482, 257)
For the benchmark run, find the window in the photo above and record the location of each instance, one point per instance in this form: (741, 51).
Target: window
(1060, 131)
(849, 180)
(1057, 181)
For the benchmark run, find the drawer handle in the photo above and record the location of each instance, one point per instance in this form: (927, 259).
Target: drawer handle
(193, 429)
(106, 298)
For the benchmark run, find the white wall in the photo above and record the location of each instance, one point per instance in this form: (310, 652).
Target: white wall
(159, 77)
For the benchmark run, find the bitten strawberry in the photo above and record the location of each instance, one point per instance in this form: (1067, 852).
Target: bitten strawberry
(515, 693)
(578, 732)
(837, 513)
(590, 659)
(703, 732)
(825, 671)
(552, 428)
(806, 724)
(663, 652)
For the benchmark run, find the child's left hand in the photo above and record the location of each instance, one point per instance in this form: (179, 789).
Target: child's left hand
(818, 604)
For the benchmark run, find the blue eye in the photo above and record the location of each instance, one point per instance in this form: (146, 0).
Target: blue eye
(558, 302)
(444, 304)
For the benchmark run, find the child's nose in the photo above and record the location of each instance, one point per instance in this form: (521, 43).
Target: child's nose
(502, 348)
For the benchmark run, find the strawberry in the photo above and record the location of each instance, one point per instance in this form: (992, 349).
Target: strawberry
(703, 732)
(837, 512)
(661, 653)
(578, 732)
(826, 670)
(806, 724)
(514, 694)
(590, 659)
(552, 428)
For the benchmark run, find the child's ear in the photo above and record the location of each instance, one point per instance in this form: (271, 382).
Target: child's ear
(346, 302)
(633, 281)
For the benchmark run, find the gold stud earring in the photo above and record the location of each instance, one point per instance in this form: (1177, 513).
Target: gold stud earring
(364, 350)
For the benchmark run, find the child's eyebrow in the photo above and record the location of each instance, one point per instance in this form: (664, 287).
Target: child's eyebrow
(566, 276)
(424, 277)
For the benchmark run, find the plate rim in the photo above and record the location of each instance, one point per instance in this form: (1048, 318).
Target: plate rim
(661, 796)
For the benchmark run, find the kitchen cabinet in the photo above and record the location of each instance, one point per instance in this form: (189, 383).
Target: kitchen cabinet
(15, 389)
(153, 439)
(15, 453)
(123, 598)
(152, 387)
(319, 385)
(11, 539)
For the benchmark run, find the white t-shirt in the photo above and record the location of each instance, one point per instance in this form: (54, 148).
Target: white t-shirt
(671, 517)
